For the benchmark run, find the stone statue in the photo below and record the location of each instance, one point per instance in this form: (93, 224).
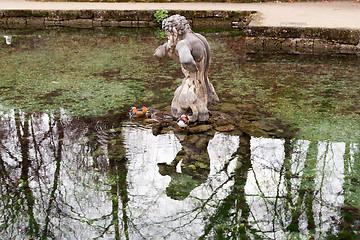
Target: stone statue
(192, 51)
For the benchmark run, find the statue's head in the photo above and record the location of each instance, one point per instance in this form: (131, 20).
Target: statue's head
(176, 24)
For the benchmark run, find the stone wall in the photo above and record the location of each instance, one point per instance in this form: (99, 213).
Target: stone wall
(258, 39)
(302, 40)
(39, 19)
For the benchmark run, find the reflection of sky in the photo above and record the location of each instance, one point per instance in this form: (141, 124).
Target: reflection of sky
(156, 214)
(266, 192)
(83, 199)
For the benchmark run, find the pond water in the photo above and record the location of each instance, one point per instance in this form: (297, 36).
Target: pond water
(73, 166)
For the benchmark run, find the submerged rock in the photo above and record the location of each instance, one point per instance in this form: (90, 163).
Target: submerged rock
(200, 128)
(232, 118)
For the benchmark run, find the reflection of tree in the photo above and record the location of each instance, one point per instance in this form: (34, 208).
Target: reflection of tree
(349, 226)
(54, 189)
(39, 189)
(230, 220)
(118, 173)
(24, 140)
(194, 162)
(306, 193)
(19, 197)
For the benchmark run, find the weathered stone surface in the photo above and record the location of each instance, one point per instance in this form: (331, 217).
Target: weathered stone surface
(142, 24)
(86, 14)
(304, 45)
(273, 44)
(80, 23)
(35, 22)
(3, 23)
(220, 122)
(146, 15)
(109, 23)
(254, 44)
(101, 15)
(39, 13)
(97, 23)
(324, 46)
(16, 13)
(226, 128)
(263, 125)
(54, 15)
(200, 128)
(49, 23)
(125, 23)
(69, 15)
(211, 22)
(288, 45)
(16, 22)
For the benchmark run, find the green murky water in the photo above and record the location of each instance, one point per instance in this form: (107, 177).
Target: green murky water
(73, 167)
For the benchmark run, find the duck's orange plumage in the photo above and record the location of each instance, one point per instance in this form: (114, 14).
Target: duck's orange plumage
(183, 121)
(134, 112)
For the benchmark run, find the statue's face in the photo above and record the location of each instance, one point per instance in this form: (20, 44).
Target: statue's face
(172, 38)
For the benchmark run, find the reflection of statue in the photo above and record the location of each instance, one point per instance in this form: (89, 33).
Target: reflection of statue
(194, 162)
(193, 53)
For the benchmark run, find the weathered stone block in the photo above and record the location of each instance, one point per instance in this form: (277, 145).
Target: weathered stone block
(54, 16)
(17, 13)
(80, 23)
(110, 23)
(40, 13)
(125, 23)
(218, 14)
(115, 15)
(63, 23)
(143, 24)
(101, 15)
(131, 15)
(273, 45)
(35, 22)
(3, 23)
(86, 14)
(49, 23)
(304, 45)
(321, 46)
(211, 22)
(288, 45)
(349, 49)
(16, 22)
(200, 14)
(96, 23)
(146, 15)
(254, 44)
(347, 36)
(69, 15)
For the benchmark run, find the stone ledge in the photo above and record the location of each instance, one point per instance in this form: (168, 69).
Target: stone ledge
(300, 40)
(298, 46)
(128, 18)
(344, 36)
(258, 39)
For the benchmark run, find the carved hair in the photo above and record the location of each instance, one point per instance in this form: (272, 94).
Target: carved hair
(177, 23)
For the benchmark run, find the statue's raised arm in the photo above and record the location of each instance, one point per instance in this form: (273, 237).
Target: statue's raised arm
(192, 51)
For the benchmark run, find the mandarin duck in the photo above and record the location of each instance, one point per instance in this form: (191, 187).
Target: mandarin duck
(183, 121)
(134, 112)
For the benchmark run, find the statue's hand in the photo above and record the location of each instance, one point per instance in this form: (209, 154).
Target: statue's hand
(162, 50)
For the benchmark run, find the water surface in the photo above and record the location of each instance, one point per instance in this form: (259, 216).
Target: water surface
(74, 167)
